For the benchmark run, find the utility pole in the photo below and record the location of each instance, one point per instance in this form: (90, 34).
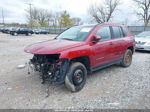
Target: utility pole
(30, 6)
(3, 17)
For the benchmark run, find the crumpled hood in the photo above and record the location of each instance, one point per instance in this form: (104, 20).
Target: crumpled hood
(52, 46)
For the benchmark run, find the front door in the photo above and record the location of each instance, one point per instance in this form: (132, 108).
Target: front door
(103, 50)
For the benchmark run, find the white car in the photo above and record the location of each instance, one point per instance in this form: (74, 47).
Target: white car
(143, 41)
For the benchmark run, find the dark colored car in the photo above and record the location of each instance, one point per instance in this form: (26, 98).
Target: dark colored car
(9, 29)
(1, 29)
(41, 31)
(5, 30)
(26, 31)
(81, 50)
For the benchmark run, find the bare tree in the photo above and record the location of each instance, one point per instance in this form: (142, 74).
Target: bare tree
(144, 10)
(56, 18)
(103, 13)
(40, 16)
(34, 13)
(44, 15)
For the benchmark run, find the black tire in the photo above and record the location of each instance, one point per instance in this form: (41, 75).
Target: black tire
(127, 59)
(76, 77)
(28, 34)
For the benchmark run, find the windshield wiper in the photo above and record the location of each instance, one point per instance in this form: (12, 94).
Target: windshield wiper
(66, 39)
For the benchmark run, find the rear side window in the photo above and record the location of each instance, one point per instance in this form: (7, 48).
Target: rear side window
(117, 32)
(21, 29)
(104, 33)
(125, 31)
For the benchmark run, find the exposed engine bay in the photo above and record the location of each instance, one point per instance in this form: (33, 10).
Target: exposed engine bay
(52, 69)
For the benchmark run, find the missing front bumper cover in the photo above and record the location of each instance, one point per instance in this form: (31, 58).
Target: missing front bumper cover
(52, 69)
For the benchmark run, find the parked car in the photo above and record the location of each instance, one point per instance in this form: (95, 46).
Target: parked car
(143, 41)
(81, 50)
(9, 29)
(5, 30)
(36, 31)
(26, 31)
(1, 29)
(41, 31)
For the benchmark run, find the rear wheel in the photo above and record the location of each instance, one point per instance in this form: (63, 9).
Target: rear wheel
(76, 77)
(28, 34)
(127, 59)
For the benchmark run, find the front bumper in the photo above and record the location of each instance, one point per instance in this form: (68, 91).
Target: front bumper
(142, 47)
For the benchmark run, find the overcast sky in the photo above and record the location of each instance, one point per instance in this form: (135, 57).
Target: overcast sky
(14, 10)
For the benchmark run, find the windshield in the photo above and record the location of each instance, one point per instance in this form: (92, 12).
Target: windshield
(76, 33)
(144, 34)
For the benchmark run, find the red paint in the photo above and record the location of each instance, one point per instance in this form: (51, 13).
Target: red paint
(98, 53)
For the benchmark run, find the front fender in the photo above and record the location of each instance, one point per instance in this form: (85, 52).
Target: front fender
(77, 52)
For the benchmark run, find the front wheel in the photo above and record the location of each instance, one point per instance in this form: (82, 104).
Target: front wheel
(127, 59)
(76, 77)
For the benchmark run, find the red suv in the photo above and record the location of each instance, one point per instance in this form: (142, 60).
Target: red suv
(80, 50)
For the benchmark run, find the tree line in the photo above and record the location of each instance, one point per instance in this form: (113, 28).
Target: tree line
(101, 13)
(37, 17)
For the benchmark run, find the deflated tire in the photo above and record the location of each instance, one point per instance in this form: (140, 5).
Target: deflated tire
(76, 77)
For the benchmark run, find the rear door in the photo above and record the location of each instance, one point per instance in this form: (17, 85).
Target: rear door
(117, 41)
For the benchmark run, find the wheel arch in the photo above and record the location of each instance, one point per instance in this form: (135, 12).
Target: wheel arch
(84, 60)
(131, 48)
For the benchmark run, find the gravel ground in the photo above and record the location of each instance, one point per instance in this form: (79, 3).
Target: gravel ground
(112, 87)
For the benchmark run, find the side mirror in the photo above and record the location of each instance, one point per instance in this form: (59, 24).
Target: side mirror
(95, 38)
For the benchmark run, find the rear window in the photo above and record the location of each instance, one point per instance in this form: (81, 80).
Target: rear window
(117, 32)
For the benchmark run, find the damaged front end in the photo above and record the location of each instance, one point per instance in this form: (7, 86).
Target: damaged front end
(52, 69)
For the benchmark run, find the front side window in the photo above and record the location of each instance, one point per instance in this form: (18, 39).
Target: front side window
(78, 33)
(104, 33)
